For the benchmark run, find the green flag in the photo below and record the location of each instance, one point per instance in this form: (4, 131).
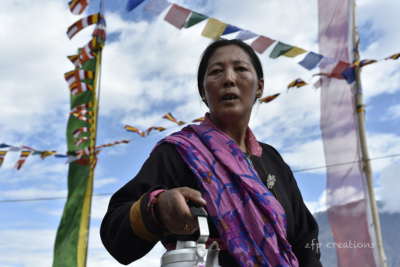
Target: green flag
(279, 50)
(194, 19)
(70, 248)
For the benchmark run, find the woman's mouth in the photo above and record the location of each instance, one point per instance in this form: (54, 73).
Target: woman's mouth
(229, 97)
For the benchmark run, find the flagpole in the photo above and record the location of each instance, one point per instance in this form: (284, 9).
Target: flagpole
(363, 140)
(96, 99)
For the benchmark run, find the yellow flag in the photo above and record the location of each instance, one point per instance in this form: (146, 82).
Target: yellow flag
(214, 29)
(294, 52)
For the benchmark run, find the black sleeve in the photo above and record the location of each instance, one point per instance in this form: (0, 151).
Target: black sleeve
(164, 169)
(306, 230)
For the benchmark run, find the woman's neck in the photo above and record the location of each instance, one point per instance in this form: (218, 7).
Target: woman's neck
(235, 130)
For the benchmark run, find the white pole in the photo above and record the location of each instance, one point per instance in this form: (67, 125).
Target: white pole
(363, 141)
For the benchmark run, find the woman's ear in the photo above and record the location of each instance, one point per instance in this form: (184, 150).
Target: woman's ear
(260, 86)
(203, 93)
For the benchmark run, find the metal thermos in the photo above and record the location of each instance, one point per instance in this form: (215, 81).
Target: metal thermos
(191, 253)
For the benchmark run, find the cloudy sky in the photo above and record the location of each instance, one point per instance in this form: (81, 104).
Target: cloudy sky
(149, 69)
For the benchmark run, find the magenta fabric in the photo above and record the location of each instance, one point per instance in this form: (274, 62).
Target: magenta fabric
(251, 222)
(346, 197)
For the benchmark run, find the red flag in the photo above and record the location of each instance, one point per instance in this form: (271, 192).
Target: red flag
(261, 44)
(177, 15)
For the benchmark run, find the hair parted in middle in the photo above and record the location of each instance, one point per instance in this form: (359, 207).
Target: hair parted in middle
(225, 42)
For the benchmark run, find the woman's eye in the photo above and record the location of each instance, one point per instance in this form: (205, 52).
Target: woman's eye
(215, 71)
(241, 68)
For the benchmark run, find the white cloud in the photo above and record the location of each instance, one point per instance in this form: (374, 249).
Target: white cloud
(317, 206)
(389, 184)
(392, 113)
(105, 181)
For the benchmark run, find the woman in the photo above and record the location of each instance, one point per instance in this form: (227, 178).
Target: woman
(220, 166)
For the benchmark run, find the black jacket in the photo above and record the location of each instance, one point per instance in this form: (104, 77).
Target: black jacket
(165, 168)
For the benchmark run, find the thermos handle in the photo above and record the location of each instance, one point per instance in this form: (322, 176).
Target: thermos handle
(198, 214)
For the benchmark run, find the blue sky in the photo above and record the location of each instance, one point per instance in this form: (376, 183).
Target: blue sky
(149, 69)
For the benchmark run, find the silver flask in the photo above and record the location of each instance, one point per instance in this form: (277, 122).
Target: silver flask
(191, 253)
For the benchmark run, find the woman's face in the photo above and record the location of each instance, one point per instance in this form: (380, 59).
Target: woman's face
(231, 84)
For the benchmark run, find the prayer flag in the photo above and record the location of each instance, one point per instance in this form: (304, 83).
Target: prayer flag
(81, 24)
(83, 152)
(349, 75)
(214, 29)
(81, 107)
(311, 60)
(280, 49)
(362, 63)
(84, 54)
(82, 112)
(261, 44)
(120, 142)
(77, 6)
(79, 87)
(156, 7)
(14, 149)
(245, 35)
(230, 29)
(194, 19)
(198, 120)
(132, 4)
(326, 61)
(395, 56)
(21, 161)
(71, 159)
(322, 74)
(318, 84)
(3, 145)
(95, 159)
(347, 197)
(80, 141)
(75, 60)
(177, 16)
(80, 130)
(294, 52)
(78, 75)
(83, 118)
(2, 155)
(340, 67)
(29, 148)
(47, 153)
(104, 145)
(133, 129)
(60, 156)
(100, 30)
(298, 83)
(171, 118)
(154, 128)
(269, 98)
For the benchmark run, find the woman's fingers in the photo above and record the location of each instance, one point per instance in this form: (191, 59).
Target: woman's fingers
(193, 195)
(174, 211)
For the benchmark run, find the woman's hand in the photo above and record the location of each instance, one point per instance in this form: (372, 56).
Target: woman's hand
(172, 209)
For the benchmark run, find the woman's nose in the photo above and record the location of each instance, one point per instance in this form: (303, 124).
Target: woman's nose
(229, 78)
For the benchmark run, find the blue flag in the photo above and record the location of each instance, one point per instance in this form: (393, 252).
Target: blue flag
(311, 60)
(349, 75)
(132, 4)
(4, 145)
(230, 29)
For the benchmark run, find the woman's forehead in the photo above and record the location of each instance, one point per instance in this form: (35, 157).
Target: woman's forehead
(229, 54)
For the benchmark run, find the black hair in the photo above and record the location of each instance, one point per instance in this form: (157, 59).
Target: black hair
(224, 42)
